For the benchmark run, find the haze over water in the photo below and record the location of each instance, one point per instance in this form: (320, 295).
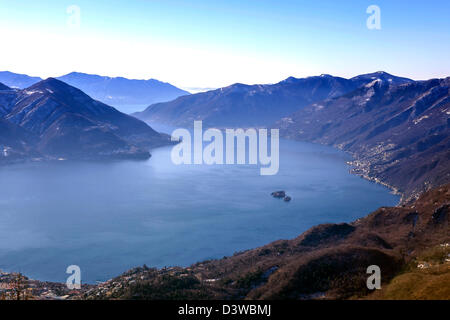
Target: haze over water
(108, 217)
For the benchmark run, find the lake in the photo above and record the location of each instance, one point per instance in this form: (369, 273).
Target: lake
(108, 217)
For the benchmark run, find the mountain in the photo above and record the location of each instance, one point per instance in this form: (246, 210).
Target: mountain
(6, 95)
(398, 134)
(19, 81)
(3, 87)
(15, 142)
(384, 76)
(126, 94)
(328, 261)
(242, 105)
(67, 123)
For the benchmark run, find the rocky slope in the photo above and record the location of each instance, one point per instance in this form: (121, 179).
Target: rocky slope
(398, 134)
(242, 105)
(66, 123)
(15, 143)
(326, 262)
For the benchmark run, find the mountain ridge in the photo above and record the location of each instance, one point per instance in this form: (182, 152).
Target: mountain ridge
(241, 105)
(126, 94)
(17, 80)
(4, 87)
(67, 123)
(123, 92)
(399, 135)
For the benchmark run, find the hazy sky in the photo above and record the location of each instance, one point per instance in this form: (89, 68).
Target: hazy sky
(213, 43)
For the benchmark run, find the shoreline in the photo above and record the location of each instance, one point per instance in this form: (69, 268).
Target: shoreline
(343, 239)
(393, 190)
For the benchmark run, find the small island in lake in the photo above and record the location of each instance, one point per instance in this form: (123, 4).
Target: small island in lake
(281, 195)
(278, 194)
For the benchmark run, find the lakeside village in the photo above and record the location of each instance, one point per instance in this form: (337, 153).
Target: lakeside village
(15, 286)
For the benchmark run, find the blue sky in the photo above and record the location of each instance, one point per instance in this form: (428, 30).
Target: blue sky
(216, 43)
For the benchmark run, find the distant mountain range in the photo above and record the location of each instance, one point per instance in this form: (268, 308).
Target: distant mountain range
(16, 80)
(126, 94)
(52, 119)
(398, 134)
(397, 129)
(242, 105)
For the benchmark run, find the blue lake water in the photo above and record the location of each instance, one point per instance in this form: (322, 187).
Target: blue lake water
(109, 217)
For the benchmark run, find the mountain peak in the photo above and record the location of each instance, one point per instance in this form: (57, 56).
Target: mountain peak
(52, 84)
(289, 80)
(325, 76)
(3, 87)
(382, 75)
(83, 76)
(68, 123)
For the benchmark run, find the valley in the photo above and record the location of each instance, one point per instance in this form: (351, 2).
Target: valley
(395, 129)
